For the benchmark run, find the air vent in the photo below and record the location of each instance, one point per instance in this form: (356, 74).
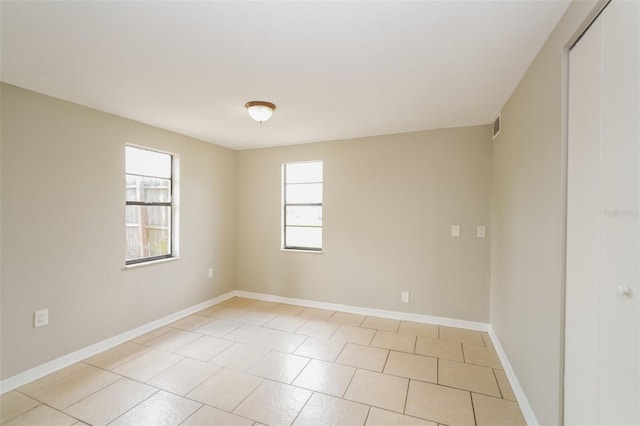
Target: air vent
(495, 127)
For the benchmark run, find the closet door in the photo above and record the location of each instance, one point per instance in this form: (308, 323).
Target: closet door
(602, 334)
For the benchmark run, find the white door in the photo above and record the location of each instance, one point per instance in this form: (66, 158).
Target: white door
(602, 323)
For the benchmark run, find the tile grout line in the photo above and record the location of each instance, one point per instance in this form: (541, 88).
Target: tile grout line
(132, 408)
(368, 414)
(473, 408)
(406, 397)
(303, 406)
(355, 370)
(235, 407)
(499, 388)
(40, 404)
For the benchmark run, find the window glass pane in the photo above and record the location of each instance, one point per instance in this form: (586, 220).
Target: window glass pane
(304, 215)
(304, 193)
(147, 163)
(304, 172)
(303, 237)
(148, 189)
(148, 230)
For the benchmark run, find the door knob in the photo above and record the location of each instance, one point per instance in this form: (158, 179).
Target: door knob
(624, 291)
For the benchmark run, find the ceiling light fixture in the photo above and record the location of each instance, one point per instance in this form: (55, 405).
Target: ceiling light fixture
(260, 110)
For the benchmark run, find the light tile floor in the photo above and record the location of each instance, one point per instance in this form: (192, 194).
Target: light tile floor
(248, 362)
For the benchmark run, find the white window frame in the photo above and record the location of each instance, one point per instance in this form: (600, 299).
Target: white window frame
(175, 210)
(284, 205)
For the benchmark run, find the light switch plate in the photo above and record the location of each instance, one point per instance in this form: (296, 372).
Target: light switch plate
(40, 318)
(455, 230)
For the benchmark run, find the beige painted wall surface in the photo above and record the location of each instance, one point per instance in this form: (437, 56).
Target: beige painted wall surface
(528, 169)
(389, 203)
(63, 228)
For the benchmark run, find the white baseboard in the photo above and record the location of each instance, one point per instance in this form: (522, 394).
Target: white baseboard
(42, 370)
(404, 316)
(525, 407)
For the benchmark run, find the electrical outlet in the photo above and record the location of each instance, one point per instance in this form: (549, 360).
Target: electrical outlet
(455, 230)
(482, 231)
(40, 318)
(210, 272)
(404, 297)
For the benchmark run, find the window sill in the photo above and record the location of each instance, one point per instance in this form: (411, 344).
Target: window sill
(302, 251)
(151, 262)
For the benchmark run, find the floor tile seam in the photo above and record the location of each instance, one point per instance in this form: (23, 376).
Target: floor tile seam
(406, 397)
(204, 404)
(155, 329)
(361, 368)
(190, 390)
(120, 377)
(232, 411)
(266, 325)
(457, 388)
(405, 377)
(473, 408)
(185, 396)
(225, 334)
(121, 364)
(300, 344)
(126, 411)
(366, 419)
(394, 349)
(415, 416)
(386, 360)
(483, 365)
(94, 393)
(192, 414)
(329, 394)
(55, 381)
(335, 361)
(302, 409)
(146, 382)
(378, 329)
(333, 333)
(210, 358)
(371, 405)
(470, 390)
(464, 390)
(179, 347)
(355, 371)
(276, 380)
(40, 404)
(499, 387)
(418, 417)
(193, 330)
(157, 374)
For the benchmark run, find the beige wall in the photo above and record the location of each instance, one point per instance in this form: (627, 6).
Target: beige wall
(389, 203)
(528, 169)
(63, 228)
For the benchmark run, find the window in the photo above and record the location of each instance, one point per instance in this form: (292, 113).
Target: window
(302, 210)
(149, 207)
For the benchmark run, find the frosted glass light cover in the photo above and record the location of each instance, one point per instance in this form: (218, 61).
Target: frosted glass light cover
(260, 113)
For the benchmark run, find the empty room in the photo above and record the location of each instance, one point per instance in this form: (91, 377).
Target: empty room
(320, 212)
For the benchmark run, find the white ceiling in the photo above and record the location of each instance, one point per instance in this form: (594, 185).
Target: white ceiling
(335, 69)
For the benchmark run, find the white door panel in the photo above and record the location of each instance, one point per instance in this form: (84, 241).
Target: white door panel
(602, 336)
